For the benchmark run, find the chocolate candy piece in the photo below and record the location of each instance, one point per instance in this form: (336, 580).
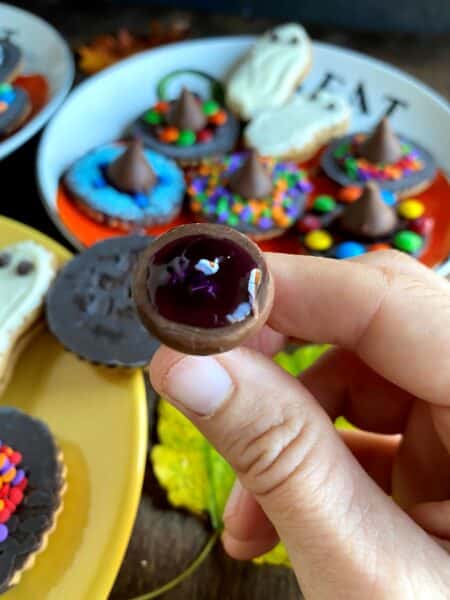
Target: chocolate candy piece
(202, 288)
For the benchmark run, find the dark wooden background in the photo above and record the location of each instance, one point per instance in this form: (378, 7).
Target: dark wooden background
(165, 541)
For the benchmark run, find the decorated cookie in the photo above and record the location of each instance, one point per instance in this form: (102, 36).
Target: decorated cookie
(90, 309)
(32, 484)
(395, 162)
(15, 107)
(259, 197)
(203, 289)
(353, 224)
(126, 186)
(10, 60)
(26, 272)
(299, 128)
(188, 128)
(268, 75)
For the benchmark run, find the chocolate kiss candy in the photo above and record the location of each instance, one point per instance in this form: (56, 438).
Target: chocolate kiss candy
(251, 180)
(187, 113)
(382, 145)
(370, 216)
(131, 171)
(202, 288)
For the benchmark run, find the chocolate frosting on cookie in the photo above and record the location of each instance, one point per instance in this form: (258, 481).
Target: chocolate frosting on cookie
(382, 145)
(369, 217)
(186, 112)
(251, 180)
(90, 309)
(36, 514)
(131, 172)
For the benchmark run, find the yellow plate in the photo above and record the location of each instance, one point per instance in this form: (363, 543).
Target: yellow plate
(99, 418)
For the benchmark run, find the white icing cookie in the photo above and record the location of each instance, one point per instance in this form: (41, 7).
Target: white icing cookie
(271, 71)
(300, 127)
(26, 271)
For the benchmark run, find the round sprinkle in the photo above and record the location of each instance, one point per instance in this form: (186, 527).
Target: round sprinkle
(349, 249)
(308, 223)
(210, 107)
(169, 135)
(389, 197)
(3, 106)
(319, 240)
(3, 532)
(349, 194)
(152, 117)
(186, 138)
(24, 267)
(411, 209)
(324, 204)
(379, 246)
(5, 87)
(408, 241)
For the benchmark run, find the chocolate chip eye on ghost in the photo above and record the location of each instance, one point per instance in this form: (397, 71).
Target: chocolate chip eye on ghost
(202, 288)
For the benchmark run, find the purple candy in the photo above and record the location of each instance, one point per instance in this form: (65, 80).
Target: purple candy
(265, 223)
(305, 186)
(3, 532)
(246, 213)
(223, 217)
(5, 467)
(19, 477)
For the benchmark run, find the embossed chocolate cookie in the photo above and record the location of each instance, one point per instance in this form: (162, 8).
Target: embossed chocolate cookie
(90, 309)
(32, 485)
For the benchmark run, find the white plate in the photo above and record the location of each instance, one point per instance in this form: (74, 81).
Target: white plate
(102, 107)
(46, 53)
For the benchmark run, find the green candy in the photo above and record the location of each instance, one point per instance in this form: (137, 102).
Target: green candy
(201, 197)
(324, 203)
(152, 117)
(210, 107)
(5, 87)
(186, 138)
(341, 151)
(222, 205)
(233, 220)
(408, 241)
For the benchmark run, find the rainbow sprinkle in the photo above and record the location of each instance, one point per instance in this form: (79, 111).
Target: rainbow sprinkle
(360, 169)
(7, 96)
(209, 194)
(13, 482)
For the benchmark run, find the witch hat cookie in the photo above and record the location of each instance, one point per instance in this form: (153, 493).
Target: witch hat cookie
(251, 179)
(395, 162)
(370, 216)
(382, 145)
(131, 172)
(187, 113)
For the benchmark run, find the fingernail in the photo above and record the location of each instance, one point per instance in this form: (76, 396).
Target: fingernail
(234, 500)
(198, 383)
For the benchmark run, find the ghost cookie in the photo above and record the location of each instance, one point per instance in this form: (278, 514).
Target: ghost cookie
(299, 128)
(15, 107)
(10, 60)
(90, 310)
(32, 485)
(270, 72)
(395, 162)
(26, 272)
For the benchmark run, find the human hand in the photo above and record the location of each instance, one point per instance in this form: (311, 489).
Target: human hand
(325, 493)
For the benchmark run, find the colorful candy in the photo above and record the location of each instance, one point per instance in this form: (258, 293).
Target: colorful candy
(411, 209)
(408, 241)
(324, 204)
(12, 485)
(318, 240)
(349, 249)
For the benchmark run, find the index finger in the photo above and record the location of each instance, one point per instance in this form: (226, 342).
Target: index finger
(396, 320)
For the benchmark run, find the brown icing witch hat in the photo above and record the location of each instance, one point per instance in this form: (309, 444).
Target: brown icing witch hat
(369, 216)
(186, 112)
(251, 180)
(131, 171)
(382, 145)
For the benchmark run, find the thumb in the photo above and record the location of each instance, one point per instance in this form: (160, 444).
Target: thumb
(287, 454)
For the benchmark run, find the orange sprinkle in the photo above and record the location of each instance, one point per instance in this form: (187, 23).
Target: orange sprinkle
(169, 134)
(238, 207)
(220, 118)
(349, 194)
(281, 185)
(3, 106)
(161, 107)
(379, 246)
(196, 206)
(9, 475)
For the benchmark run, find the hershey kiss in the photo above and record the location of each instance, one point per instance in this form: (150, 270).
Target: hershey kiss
(131, 172)
(382, 145)
(186, 112)
(369, 216)
(251, 180)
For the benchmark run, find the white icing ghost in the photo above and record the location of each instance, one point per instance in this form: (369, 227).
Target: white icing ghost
(299, 127)
(26, 271)
(269, 74)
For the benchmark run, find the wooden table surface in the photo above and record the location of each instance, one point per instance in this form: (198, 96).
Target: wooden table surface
(164, 541)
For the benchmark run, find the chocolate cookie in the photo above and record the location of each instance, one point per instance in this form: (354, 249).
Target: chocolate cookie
(90, 309)
(15, 106)
(10, 60)
(203, 289)
(394, 162)
(33, 483)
